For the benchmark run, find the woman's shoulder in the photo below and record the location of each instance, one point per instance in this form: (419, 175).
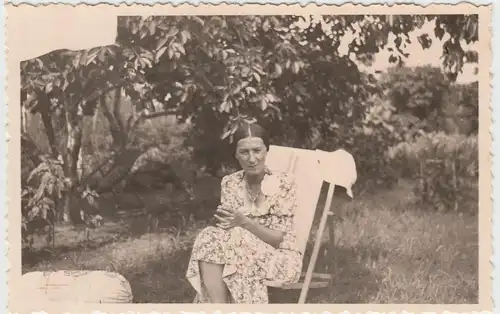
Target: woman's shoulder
(237, 175)
(279, 181)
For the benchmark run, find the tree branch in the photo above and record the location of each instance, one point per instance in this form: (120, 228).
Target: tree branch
(117, 133)
(49, 128)
(116, 108)
(97, 93)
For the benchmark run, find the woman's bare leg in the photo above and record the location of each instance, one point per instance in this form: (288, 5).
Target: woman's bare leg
(211, 276)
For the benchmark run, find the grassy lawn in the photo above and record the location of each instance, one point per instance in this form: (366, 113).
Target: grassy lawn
(388, 250)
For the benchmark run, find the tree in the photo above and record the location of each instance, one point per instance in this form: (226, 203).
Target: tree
(419, 91)
(261, 66)
(462, 109)
(422, 98)
(63, 87)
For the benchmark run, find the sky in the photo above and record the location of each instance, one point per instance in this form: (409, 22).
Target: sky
(418, 56)
(431, 56)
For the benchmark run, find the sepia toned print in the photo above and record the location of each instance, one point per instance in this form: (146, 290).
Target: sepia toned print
(174, 157)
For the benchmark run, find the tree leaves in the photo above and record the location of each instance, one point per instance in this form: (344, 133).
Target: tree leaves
(225, 107)
(223, 67)
(425, 41)
(438, 31)
(161, 42)
(159, 54)
(92, 55)
(38, 205)
(419, 90)
(444, 164)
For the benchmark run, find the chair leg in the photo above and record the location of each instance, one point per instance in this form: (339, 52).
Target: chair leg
(317, 245)
(331, 247)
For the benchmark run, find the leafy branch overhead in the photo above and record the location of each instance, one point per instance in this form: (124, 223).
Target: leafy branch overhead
(259, 66)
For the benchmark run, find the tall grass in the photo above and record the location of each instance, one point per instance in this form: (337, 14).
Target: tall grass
(406, 253)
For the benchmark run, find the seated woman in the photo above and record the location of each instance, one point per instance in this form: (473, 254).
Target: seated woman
(253, 241)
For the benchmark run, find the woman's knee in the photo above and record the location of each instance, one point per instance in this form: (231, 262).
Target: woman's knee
(211, 236)
(211, 232)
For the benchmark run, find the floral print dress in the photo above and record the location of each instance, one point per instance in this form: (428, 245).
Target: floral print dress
(250, 264)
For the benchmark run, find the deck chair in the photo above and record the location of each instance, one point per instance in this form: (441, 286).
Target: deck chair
(311, 168)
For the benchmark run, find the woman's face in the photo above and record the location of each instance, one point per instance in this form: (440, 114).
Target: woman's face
(251, 154)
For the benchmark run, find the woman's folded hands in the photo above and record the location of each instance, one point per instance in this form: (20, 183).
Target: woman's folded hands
(228, 218)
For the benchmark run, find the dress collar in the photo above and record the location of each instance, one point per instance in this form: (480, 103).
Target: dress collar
(267, 172)
(269, 185)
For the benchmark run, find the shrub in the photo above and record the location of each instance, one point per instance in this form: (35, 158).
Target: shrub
(447, 167)
(417, 90)
(163, 142)
(40, 193)
(368, 142)
(373, 165)
(461, 111)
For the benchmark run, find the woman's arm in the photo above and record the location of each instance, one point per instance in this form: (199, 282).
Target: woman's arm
(271, 237)
(280, 232)
(229, 217)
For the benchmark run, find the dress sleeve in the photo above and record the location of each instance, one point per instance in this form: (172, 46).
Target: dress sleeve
(227, 192)
(224, 190)
(283, 213)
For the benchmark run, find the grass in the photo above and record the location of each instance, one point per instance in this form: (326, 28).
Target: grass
(388, 250)
(403, 254)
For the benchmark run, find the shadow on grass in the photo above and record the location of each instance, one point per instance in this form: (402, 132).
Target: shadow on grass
(30, 259)
(163, 281)
(352, 283)
(70, 240)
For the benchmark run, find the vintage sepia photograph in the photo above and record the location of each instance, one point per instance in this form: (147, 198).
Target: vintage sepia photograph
(256, 159)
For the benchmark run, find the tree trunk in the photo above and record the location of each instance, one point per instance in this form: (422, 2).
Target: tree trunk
(74, 125)
(24, 120)
(115, 126)
(117, 104)
(49, 128)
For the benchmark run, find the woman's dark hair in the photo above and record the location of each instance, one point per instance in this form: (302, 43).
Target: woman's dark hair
(251, 130)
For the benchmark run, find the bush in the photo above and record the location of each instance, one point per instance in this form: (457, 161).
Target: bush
(373, 165)
(461, 111)
(446, 166)
(368, 142)
(40, 193)
(416, 90)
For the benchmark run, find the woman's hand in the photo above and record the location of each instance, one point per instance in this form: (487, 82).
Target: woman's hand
(229, 218)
